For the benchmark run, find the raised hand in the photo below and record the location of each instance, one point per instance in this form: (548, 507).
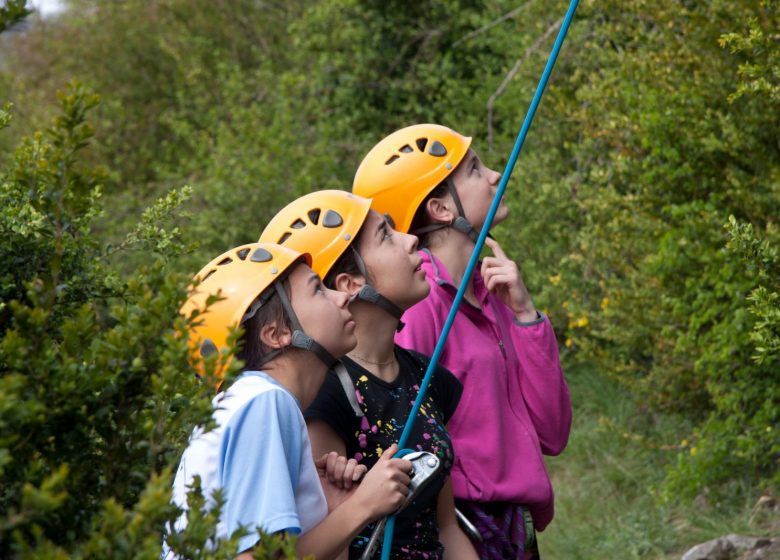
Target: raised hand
(503, 279)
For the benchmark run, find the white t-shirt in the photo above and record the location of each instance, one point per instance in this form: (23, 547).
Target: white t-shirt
(260, 456)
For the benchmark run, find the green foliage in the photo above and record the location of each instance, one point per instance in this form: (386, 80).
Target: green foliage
(665, 152)
(12, 12)
(606, 484)
(95, 404)
(661, 122)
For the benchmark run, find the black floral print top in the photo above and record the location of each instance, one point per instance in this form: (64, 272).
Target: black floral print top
(386, 407)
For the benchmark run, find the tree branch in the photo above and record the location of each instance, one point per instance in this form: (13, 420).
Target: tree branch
(511, 74)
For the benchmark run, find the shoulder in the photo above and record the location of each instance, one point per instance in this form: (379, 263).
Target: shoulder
(259, 398)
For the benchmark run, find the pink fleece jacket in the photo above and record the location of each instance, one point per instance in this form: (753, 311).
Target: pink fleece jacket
(515, 404)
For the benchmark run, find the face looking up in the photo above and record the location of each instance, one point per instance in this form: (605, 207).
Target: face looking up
(476, 185)
(392, 261)
(323, 312)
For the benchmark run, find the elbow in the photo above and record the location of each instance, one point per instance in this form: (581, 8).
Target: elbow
(554, 450)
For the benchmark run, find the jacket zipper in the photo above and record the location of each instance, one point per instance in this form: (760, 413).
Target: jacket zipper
(501, 345)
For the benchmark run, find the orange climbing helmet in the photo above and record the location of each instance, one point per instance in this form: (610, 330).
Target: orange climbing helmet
(236, 284)
(403, 168)
(323, 223)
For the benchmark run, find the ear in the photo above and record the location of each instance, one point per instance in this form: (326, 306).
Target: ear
(274, 335)
(350, 284)
(438, 210)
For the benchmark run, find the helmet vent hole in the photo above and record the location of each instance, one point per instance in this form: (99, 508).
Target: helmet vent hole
(226, 260)
(261, 255)
(284, 238)
(407, 149)
(391, 160)
(314, 216)
(241, 254)
(437, 149)
(421, 142)
(207, 348)
(298, 224)
(208, 275)
(332, 219)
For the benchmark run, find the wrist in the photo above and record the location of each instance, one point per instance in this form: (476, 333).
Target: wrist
(527, 314)
(357, 511)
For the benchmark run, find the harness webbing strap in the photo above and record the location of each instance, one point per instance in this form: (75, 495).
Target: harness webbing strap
(529, 117)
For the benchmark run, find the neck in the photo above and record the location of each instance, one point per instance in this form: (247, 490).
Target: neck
(454, 250)
(375, 332)
(300, 372)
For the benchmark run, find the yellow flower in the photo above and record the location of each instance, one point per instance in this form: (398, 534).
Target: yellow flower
(568, 343)
(581, 322)
(684, 443)
(604, 303)
(693, 451)
(555, 280)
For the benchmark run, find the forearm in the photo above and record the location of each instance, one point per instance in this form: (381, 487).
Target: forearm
(333, 535)
(457, 545)
(542, 383)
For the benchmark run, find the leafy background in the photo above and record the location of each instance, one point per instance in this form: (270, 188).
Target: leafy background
(644, 218)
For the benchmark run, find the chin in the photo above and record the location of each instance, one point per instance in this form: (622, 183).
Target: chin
(501, 215)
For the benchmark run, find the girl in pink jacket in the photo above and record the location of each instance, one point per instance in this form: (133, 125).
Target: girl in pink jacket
(515, 405)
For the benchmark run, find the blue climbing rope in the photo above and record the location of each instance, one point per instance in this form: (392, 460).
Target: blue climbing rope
(510, 165)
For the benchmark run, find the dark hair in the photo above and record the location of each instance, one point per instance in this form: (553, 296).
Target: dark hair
(347, 262)
(421, 217)
(252, 351)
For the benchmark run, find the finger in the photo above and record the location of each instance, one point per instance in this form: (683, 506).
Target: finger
(498, 280)
(341, 466)
(349, 473)
(322, 462)
(360, 472)
(332, 459)
(496, 248)
(401, 464)
(389, 452)
(487, 264)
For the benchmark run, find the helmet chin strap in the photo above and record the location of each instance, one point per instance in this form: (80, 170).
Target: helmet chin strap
(303, 341)
(460, 223)
(368, 294)
(299, 338)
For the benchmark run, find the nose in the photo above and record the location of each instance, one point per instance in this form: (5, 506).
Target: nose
(411, 242)
(338, 297)
(495, 177)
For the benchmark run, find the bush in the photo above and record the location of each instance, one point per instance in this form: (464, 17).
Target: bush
(95, 401)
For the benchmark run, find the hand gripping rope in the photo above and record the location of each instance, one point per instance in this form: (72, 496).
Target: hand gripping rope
(529, 117)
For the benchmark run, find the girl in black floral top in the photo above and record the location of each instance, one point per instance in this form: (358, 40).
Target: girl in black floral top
(359, 253)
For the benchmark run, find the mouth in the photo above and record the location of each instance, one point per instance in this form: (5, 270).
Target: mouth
(418, 267)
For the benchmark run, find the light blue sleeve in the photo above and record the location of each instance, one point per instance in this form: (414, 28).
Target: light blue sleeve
(261, 455)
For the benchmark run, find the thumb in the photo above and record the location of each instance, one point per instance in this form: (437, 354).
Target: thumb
(389, 452)
(322, 462)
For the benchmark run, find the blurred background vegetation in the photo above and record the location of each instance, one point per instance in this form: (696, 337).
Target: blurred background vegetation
(644, 219)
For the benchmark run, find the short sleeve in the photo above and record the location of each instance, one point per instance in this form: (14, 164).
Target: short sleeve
(261, 457)
(446, 389)
(332, 407)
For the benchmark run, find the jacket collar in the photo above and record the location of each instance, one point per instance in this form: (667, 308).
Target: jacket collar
(443, 278)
